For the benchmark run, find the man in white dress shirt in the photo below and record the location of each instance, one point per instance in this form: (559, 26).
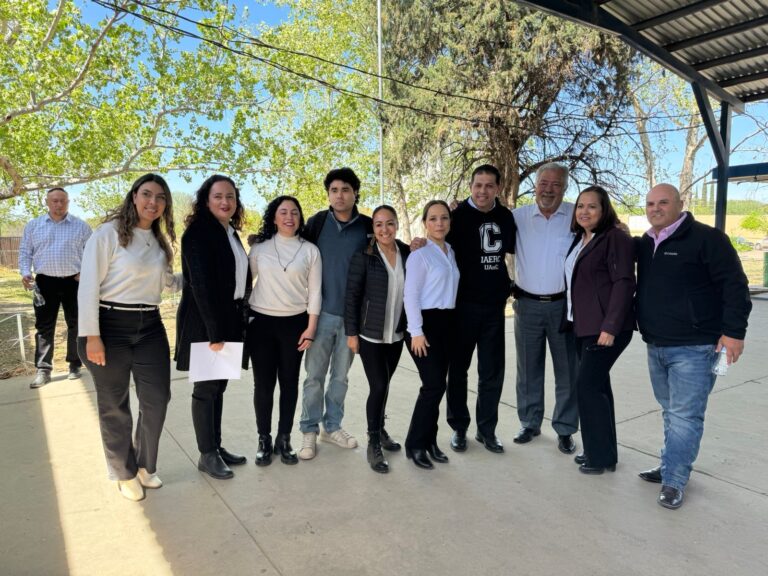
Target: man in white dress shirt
(52, 246)
(543, 239)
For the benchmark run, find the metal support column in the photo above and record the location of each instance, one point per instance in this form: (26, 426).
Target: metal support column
(721, 199)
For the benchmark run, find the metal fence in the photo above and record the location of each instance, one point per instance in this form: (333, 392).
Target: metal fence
(16, 346)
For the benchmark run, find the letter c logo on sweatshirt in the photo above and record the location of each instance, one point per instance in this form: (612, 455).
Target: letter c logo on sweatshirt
(490, 245)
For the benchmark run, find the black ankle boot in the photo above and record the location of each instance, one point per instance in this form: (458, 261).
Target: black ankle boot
(375, 455)
(212, 464)
(264, 455)
(387, 443)
(283, 447)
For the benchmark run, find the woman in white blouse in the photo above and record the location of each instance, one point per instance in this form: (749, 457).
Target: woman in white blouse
(430, 297)
(212, 308)
(126, 265)
(285, 305)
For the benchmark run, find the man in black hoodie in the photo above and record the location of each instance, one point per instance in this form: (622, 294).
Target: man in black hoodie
(482, 232)
(692, 303)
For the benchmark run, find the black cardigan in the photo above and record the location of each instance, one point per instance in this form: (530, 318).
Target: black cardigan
(366, 297)
(207, 311)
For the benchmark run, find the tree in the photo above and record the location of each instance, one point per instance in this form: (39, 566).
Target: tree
(526, 88)
(664, 107)
(154, 86)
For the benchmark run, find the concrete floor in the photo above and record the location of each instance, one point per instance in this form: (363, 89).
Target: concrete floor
(527, 511)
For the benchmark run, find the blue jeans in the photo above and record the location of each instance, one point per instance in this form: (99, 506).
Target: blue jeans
(329, 348)
(682, 380)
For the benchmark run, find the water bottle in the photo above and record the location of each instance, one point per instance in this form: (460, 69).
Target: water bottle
(720, 367)
(37, 297)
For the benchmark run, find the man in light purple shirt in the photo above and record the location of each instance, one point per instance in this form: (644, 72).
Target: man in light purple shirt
(692, 307)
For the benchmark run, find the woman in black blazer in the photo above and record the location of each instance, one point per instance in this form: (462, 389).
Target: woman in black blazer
(374, 320)
(600, 276)
(217, 283)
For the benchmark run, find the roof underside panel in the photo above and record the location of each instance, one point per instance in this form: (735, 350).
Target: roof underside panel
(725, 40)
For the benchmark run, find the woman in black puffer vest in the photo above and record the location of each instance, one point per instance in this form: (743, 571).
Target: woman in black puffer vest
(375, 322)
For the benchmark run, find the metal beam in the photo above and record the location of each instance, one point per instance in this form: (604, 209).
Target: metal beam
(715, 34)
(586, 12)
(745, 172)
(731, 58)
(721, 200)
(754, 97)
(710, 124)
(675, 14)
(738, 80)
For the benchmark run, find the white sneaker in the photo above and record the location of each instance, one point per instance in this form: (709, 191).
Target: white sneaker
(308, 446)
(340, 437)
(131, 489)
(149, 480)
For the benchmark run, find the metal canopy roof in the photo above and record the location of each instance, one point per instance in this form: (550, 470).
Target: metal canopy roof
(721, 45)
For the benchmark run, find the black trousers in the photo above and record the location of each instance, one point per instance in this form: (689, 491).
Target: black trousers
(57, 292)
(595, 397)
(379, 362)
(438, 327)
(478, 326)
(272, 344)
(207, 407)
(136, 345)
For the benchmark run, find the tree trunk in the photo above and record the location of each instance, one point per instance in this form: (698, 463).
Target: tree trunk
(693, 143)
(645, 143)
(402, 208)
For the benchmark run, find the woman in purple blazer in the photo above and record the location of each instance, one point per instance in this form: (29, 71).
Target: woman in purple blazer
(600, 275)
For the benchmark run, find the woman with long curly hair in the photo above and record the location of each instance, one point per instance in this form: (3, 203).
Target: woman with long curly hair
(126, 265)
(285, 306)
(217, 283)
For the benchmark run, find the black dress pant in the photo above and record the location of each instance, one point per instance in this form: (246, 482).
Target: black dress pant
(379, 362)
(135, 345)
(272, 344)
(478, 326)
(595, 397)
(438, 327)
(57, 292)
(207, 407)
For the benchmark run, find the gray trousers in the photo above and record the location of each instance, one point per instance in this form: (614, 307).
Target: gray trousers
(536, 324)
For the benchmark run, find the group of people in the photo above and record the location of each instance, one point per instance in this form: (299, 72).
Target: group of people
(342, 284)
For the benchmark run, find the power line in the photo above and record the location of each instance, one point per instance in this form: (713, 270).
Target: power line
(250, 40)
(287, 69)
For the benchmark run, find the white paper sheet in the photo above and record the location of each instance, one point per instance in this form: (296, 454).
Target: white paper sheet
(205, 364)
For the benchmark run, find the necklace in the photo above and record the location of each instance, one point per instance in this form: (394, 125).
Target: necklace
(285, 268)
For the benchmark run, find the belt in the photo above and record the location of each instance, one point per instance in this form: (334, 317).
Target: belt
(520, 293)
(128, 307)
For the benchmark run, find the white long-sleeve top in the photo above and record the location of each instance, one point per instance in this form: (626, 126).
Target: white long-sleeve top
(135, 274)
(541, 247)
(288, 275)
(432, 281)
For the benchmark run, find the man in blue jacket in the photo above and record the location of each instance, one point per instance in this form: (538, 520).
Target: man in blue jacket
(692, 302)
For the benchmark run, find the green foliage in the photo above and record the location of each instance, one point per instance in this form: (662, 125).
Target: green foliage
(756, 221)
(85, 102)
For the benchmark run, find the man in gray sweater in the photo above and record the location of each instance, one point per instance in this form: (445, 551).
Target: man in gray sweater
(339, 232)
